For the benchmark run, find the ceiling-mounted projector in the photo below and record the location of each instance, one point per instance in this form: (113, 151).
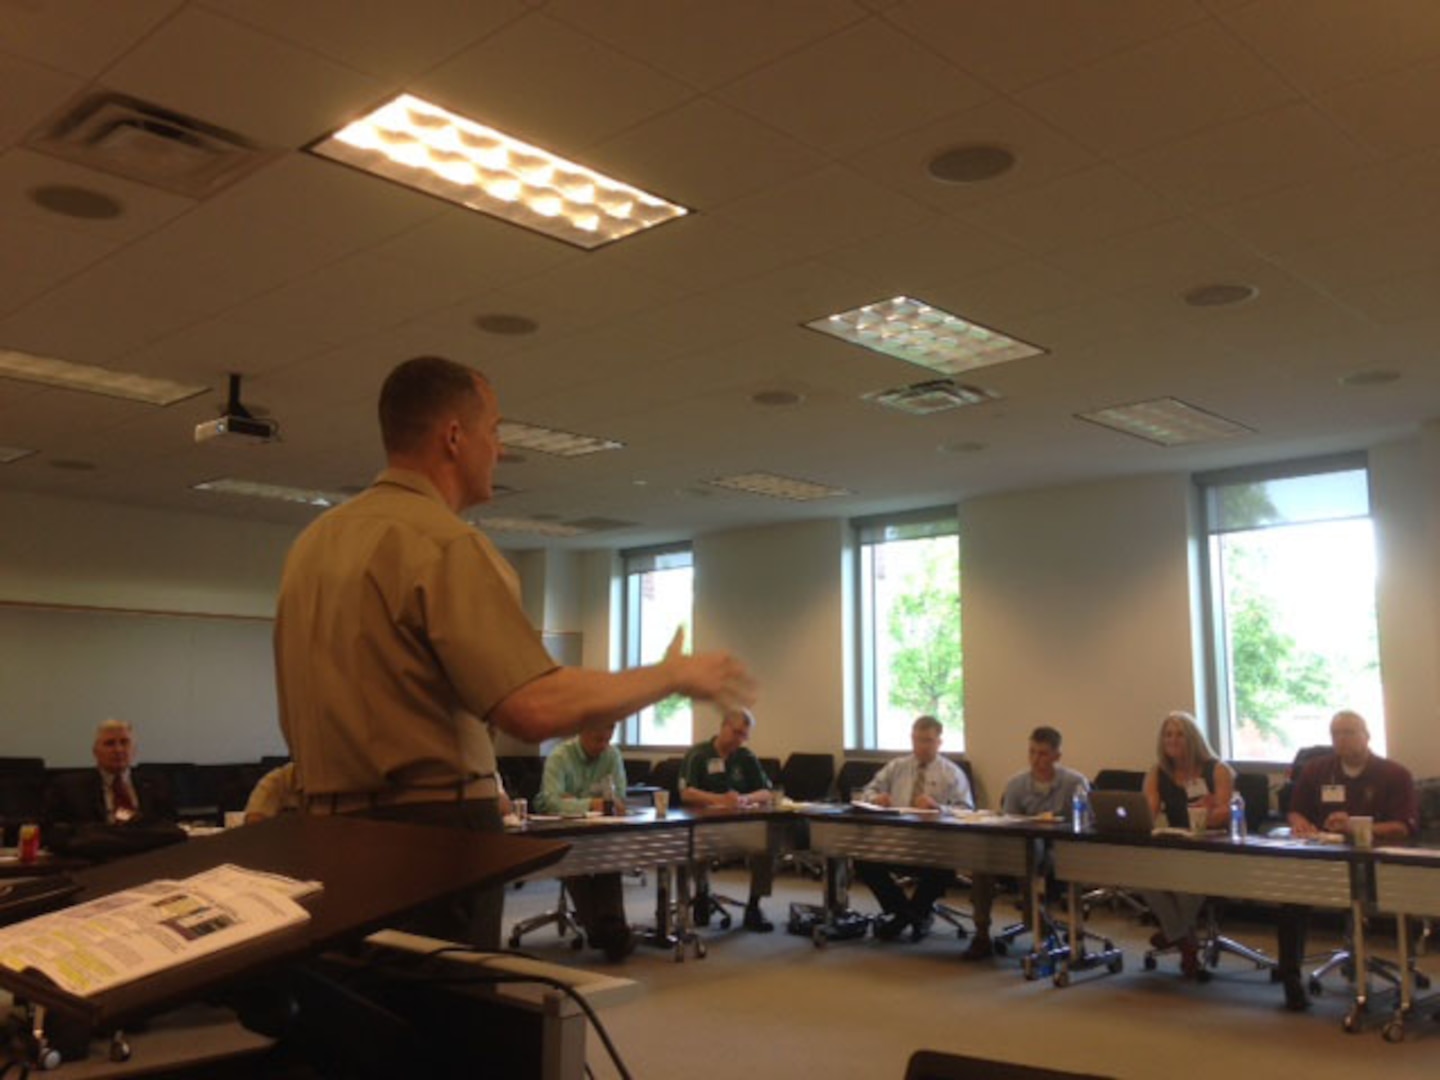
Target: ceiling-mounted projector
(236, 423)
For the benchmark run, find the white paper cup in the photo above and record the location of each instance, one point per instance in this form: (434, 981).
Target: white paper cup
(1362, 831)
(662, 803)
(521, 809)
(1199, 819)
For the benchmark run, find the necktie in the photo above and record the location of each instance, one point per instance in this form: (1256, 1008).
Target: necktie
(919, 788)
(124, 798)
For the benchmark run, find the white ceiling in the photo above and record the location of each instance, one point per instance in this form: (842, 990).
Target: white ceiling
(1293, 145)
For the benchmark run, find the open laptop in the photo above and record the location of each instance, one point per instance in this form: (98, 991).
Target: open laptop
(1121, 813)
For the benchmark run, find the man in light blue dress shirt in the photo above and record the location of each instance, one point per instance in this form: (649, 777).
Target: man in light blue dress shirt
(925, 781)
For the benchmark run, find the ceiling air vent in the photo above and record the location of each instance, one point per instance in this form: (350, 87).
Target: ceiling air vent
(931, 396)
(121, 135)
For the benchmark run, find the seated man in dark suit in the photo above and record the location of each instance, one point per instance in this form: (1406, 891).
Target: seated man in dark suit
(110, 795)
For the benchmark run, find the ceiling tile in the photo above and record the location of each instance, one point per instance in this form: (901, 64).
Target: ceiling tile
(703, 154)
(31, 94)
(823, 210)
(196, 61)
(389, 40)
(709, 43)
(815, 96)
(1182, 252)
(1367, 109)
(1082, 207)
(1247, 157)
(143, 209)
(80, 36)
(914, 259)
(1322, 44)
(1042, 153)
(1013, 43)
(539, 80)
(1150, 95)
(35, 259)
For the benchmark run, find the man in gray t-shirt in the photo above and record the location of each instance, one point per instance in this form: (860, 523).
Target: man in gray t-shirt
(1046, 788)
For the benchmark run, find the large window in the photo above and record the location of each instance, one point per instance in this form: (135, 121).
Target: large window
(908, 598)
(1291, 602)
(659, 599)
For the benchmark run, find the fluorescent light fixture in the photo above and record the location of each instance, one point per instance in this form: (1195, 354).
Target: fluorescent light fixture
(93, 380)
(777, 487)
(912, 330)
(546, 441)
(412, 142)
(936, 395)
(11, 454)
(528, 525)
(255, 490)
(1167, 421)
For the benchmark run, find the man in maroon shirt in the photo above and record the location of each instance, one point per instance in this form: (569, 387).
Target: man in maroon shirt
(1333, 788)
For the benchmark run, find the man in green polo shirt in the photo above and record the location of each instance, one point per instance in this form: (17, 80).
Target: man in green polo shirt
(723, 773)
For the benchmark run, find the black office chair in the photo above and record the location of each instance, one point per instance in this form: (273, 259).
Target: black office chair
(665, 775)
(562, 917)
(853, 776)
(22, 801)
(637, 770)
(808, 777)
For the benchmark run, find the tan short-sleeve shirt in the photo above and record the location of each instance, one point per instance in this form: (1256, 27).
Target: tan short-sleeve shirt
(398, 626)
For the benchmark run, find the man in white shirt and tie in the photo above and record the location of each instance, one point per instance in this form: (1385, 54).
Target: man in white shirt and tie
(925, 781)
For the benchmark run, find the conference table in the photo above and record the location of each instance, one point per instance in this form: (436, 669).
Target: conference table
(670, 846)
(1325, 877)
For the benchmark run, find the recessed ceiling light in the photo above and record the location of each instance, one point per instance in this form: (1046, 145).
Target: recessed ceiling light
(423, 146)
(256, 490)
(72, 465)
(1369, 377)
(93, 380)
(912, 330)
(971, 164)
(509, 325)
(777, 398)
(1220, 295)
(1167, 421)
(11, 454)
(775, 486)
(547, 441)
(76, 202)
(527, 525)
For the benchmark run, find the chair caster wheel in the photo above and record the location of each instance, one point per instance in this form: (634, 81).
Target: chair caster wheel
(724, 922)
(1001, 948)
(1062, 978)
(1150, 963)
(1028, 968)
(819, 938)
(1394, 1031)
(1316, 987)
(1115, 966)
(1352, 1021)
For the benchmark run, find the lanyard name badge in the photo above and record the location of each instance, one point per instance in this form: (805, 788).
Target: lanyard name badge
(715, 766)
(1332, 793)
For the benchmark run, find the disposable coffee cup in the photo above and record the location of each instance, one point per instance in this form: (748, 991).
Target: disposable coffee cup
(662, 803)
(521, 809)
(1362, 831)
(1199, 819)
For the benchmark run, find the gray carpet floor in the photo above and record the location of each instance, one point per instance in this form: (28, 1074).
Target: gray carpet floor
(775, 1006)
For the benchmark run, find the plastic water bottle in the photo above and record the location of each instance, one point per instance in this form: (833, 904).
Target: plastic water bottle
(1237, 817)
(1079, 811)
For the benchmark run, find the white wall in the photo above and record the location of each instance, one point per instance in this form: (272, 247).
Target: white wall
(162, 619)
(1076, 613)
(772, 596)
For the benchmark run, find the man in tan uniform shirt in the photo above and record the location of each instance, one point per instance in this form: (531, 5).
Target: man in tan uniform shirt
(400, 635)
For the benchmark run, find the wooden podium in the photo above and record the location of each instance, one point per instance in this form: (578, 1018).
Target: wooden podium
(373, 873)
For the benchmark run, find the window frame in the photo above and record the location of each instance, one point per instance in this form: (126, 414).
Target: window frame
(861, 736)
(634, 562)
(1215, 661)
